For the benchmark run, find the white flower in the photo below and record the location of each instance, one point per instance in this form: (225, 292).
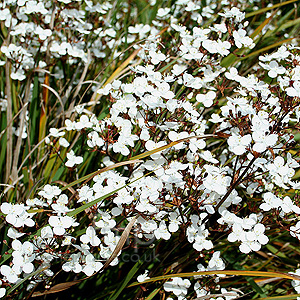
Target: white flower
(262, 140)
(143, 277)
(23, 255)
(73, 263)
(43, 33)
(234, 12)
(11, 273)
(90, 237)
(206, 99)
(55, 132)
(216, 180)
(178, 286)
(216, 263)
(241, 39)
(16, 214)
(295, 230)
(248, 246)
(50, 191)
(162, 12)
(73, 159)
(94, 140)
(232, 74)
(223, 47)
(123, 197)
(178, 69)
(105, 223)
(60, 224)
(215, 118)
(70, 125)
(210, 46)
(295, 90)
(85, 193)
(2, 291)
(12, 210)
(91, 265)
(60, 206)
(18, 75)
(196, 144)
(201, 241)
(148, 226)
(237, 234)
(237, 144)
(14, 234)
(162, 231)
(120, 147)
(296, 283)
(257, 234)
(174, 136)
(83, 122)
(105, 90)
(175, 221)
(207, 155)
(156, 58)
(151, 145)
(274, 68)
(270, 201)
(63, 142)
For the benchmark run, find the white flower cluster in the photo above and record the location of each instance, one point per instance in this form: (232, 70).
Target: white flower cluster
(208, 154)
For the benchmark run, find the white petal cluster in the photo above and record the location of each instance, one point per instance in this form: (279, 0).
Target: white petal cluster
(214, 144)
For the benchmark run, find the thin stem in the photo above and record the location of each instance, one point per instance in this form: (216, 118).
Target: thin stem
(232, 187)
(14, 171)
(9, 136)
(234, 169)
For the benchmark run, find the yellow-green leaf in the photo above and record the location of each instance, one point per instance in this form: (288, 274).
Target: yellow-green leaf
(265, 9)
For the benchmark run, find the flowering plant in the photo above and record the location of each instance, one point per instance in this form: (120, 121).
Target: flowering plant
(179, 159)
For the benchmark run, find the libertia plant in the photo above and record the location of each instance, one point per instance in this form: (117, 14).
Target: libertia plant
(149, 149)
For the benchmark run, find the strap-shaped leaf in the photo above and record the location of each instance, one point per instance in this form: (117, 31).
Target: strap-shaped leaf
(121, 243)
(265, 9)
(148, 153)
(88, 177)
(226, 272)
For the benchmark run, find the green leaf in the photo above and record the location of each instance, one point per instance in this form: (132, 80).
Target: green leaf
(265, 49)
(228, 60)
(34, 111)
(287, 297)
(129, 276)
(275, 251)
(93, 174)
(104, 113)
(26, 278)
(226, 272)
(260, 27)
(148, 153)
(153, 294)
(58, 173)
(265, 9)
(256, 287)
(94, 202)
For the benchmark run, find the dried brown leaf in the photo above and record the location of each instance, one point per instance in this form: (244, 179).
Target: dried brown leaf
(121, 243)
(56, 288)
